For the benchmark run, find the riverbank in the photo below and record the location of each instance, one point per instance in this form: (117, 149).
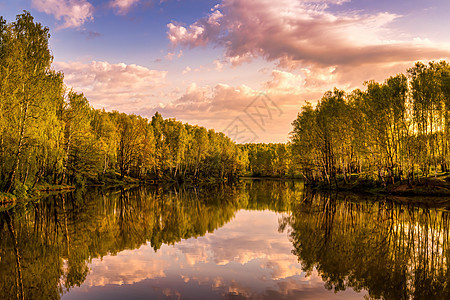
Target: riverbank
(24, 193)
(433, 186)
(28, 195)
(438, 186)
(107, 181)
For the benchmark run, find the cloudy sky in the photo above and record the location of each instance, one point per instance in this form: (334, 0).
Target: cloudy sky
(244, 67)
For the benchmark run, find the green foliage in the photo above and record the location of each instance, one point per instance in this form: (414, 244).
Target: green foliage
(31, 95)
(396, 130)
(267, 160)
(51, 135)
(79, 180)
(20, 190)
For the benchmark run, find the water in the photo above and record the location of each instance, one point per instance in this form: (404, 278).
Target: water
(258, 240)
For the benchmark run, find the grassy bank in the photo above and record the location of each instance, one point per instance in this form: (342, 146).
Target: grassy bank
(23, 192)
(435, 186)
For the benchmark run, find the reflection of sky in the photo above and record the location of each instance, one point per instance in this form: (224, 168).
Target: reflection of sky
(247, 257)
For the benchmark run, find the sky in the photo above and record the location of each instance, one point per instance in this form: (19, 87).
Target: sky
(243, 67)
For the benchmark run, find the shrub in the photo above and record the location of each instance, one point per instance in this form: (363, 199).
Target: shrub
(79, 180)
(20, 190)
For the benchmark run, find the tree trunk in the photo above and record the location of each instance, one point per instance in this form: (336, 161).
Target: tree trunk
(18, 152)
(66, 163)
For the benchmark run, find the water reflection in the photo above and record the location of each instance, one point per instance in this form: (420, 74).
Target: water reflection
(393, 250)
(255, 240)
(46, 247)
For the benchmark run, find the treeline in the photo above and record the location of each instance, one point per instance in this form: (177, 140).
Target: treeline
(49, 135)
(391, 131)
(268, 160)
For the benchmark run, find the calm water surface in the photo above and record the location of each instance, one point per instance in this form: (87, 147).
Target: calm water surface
(260, 239)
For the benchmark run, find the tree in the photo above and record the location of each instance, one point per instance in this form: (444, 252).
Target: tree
(26, 89)
(82, 149)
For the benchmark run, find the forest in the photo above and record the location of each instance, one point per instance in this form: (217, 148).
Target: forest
(391, 131)
(51, 135)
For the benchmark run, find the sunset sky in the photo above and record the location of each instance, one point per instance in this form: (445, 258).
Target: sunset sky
(219, 64)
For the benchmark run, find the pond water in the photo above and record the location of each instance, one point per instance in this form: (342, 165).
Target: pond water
(257, 240)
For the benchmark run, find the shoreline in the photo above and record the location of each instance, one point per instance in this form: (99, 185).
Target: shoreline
(428, 187)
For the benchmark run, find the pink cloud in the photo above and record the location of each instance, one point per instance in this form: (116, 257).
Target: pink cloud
(218, 106)
(299, 33)
(122, 7)
(198, 34)
(209, 102)
(113, 86)
(73, 13)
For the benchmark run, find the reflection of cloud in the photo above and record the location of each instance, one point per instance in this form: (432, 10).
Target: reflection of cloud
(264, 245)
(194, 252)
(127, 267)
(74, 13)
(171, 294)
(236, 260)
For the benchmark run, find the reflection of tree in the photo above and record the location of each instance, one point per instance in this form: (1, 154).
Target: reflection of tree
(19, 281)
(48, 244)
(394, 251)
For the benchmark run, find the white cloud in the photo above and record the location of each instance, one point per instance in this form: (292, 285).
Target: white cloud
(169, 56)
(122, 7)
(199, 33)
(127, 267)
(187, 70)
(302, 33)
(113, 86)
(218, 65)
(73, 13)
